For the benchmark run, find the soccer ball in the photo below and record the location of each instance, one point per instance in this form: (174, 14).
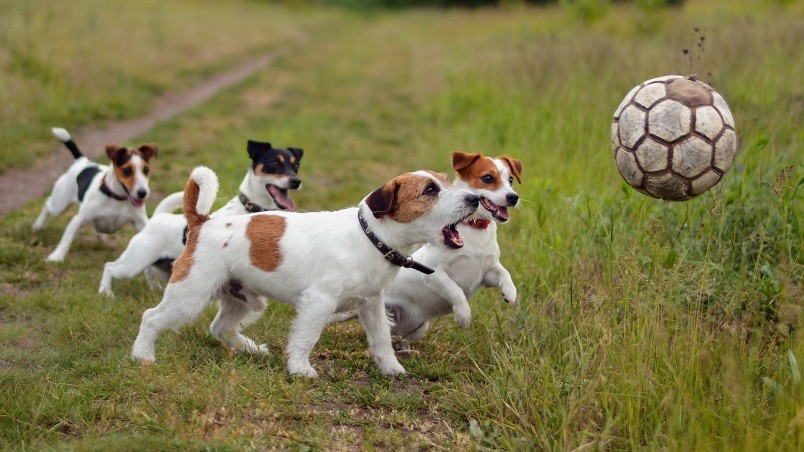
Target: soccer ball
(673, 137)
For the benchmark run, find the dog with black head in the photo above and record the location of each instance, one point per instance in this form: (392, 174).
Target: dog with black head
(273, 172)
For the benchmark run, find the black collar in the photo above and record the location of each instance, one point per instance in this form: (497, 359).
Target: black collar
(248, 204)
(393, 256)
(108, 192)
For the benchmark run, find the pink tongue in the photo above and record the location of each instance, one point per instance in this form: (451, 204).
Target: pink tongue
(281, 198)
(503, 213)
(137, 202)
(452, 237)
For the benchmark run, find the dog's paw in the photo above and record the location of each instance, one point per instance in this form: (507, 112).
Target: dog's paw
(106, 290)
(261, 349)
(393, 370)
(510, 295)
(463, 317)
(54, 258)
(143, 358)
(307, 372)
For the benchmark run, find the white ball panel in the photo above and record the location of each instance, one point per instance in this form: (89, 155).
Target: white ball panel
(669, 120)
(692, 156)
(720, 104)
(626, 163)
(708, 122)
(632, 126)
(725, 149)
(615, 138)
(652, 156)
(650, 94)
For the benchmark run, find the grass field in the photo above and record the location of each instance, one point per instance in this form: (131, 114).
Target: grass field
(641, 324)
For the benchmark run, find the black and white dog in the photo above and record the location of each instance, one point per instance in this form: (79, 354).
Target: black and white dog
(273, 172)
(109, 196)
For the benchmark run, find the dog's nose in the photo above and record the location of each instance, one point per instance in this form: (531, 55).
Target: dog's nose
(142, 193)
(512, 199)
(472, 200)
(294, 182)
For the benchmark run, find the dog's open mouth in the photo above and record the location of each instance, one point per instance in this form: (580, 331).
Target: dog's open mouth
(281, 197)
(500, 213)
(136, 202)
(452, 238)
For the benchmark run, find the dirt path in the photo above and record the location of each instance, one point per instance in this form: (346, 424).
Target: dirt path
(18, 187)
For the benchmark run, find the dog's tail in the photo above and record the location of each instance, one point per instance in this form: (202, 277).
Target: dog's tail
(199, 195)
(171, 202)
(64, 136)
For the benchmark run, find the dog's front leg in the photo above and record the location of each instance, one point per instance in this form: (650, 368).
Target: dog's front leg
(498, 276)
(64, 244)
(440, 283)
(378, 332)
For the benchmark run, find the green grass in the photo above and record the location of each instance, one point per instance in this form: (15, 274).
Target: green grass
(641, 324)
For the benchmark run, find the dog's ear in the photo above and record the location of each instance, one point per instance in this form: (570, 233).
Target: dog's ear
(297, 152)
(254, 148)
(462, 160)
(117, 154)
(381, 201)
(515, 165)
(148, 151)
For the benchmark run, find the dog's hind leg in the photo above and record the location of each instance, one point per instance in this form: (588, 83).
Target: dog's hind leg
(378, 332)
(182, 303)
(235, 314)
(60, 199)
(66, 239)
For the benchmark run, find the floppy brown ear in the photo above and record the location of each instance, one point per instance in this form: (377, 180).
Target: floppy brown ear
(381, 201)
(515, 165)
(462, 160)
(149, 150)
(117, 154)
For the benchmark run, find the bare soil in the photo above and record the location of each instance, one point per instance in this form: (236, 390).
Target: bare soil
(19, 187)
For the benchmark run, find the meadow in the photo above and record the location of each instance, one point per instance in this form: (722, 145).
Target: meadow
(641, 324)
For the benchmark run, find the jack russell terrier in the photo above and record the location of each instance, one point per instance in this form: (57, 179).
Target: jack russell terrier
(152, 251)
(109, 197)
(413, 299)
(318, 262)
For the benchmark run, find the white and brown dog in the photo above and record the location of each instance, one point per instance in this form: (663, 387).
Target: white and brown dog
(319, 262)
(109, 197)
(273, 172)
(413, 299)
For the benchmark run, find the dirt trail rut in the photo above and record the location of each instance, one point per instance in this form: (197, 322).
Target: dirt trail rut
(19, 187)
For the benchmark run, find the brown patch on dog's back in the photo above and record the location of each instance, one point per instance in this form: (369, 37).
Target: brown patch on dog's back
(264, 233)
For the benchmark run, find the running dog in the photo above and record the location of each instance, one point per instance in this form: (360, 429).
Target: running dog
(318, 262)
(265, 187)
(413, 299)
(109, 197)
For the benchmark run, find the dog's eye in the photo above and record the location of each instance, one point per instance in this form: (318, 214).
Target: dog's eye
(511, 180)
(431, 189)
(487, 179)
(146, 170)
(127, 171)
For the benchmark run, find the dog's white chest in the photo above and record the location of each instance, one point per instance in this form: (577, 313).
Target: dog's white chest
(110, 223)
